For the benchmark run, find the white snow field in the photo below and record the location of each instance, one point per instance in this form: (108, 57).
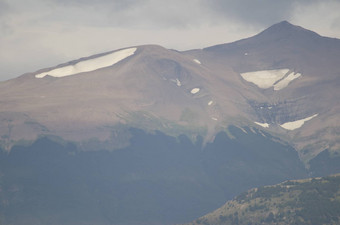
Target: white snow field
(262, 124)
(210, 103)
(296, 124)
(284, 83)
(90, 64)
(264, 78)
(195, 90)
(197, 61)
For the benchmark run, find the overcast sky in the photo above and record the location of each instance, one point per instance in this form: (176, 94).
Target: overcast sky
(36, 34)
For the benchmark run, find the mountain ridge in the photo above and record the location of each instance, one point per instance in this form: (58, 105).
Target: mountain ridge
(196, 90)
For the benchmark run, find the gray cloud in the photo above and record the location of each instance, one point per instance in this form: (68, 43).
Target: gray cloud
(257, 12)
(4, 7)
(4, 11)
(97, 2)
(160, 14)
(176, 13)
(156, 14)
(148, 14)
(117, 5)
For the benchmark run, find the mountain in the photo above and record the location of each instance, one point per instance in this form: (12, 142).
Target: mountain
(310, 201)
(148, 135)
(197, 92)
(283, 104)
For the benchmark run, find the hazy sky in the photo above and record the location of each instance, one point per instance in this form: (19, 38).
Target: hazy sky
(35, 34)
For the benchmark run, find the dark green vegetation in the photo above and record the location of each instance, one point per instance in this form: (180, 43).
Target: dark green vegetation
(312, 201)
(157, 179)
(325, 163)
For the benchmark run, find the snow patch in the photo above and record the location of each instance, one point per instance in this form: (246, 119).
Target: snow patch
(244, 131)
(262, 133)
(213, 118)
(195, 90)
(197, 61)
(296, 124)
(178, 82)
(252, 130)
(264, 78)
(284, 83)
(90, 64)
(246, 53)
(210, 103)
(262, 124)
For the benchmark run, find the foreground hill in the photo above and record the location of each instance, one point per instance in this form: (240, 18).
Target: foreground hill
(310, 201)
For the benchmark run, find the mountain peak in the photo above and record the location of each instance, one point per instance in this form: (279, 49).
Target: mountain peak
(285, 28)
(283, 23)
(279, 33)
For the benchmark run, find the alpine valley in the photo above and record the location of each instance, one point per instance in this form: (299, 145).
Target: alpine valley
(149, 135)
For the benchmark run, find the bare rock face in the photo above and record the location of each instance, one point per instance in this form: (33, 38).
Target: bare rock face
(284, 80)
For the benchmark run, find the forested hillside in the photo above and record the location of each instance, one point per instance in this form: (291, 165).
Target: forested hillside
(310, 201)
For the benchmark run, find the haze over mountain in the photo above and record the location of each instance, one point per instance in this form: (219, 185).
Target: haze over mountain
(148, 135)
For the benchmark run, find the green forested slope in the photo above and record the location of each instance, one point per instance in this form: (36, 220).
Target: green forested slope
(310, 201)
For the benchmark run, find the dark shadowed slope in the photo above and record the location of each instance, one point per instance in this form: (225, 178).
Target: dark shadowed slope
(158, 179)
